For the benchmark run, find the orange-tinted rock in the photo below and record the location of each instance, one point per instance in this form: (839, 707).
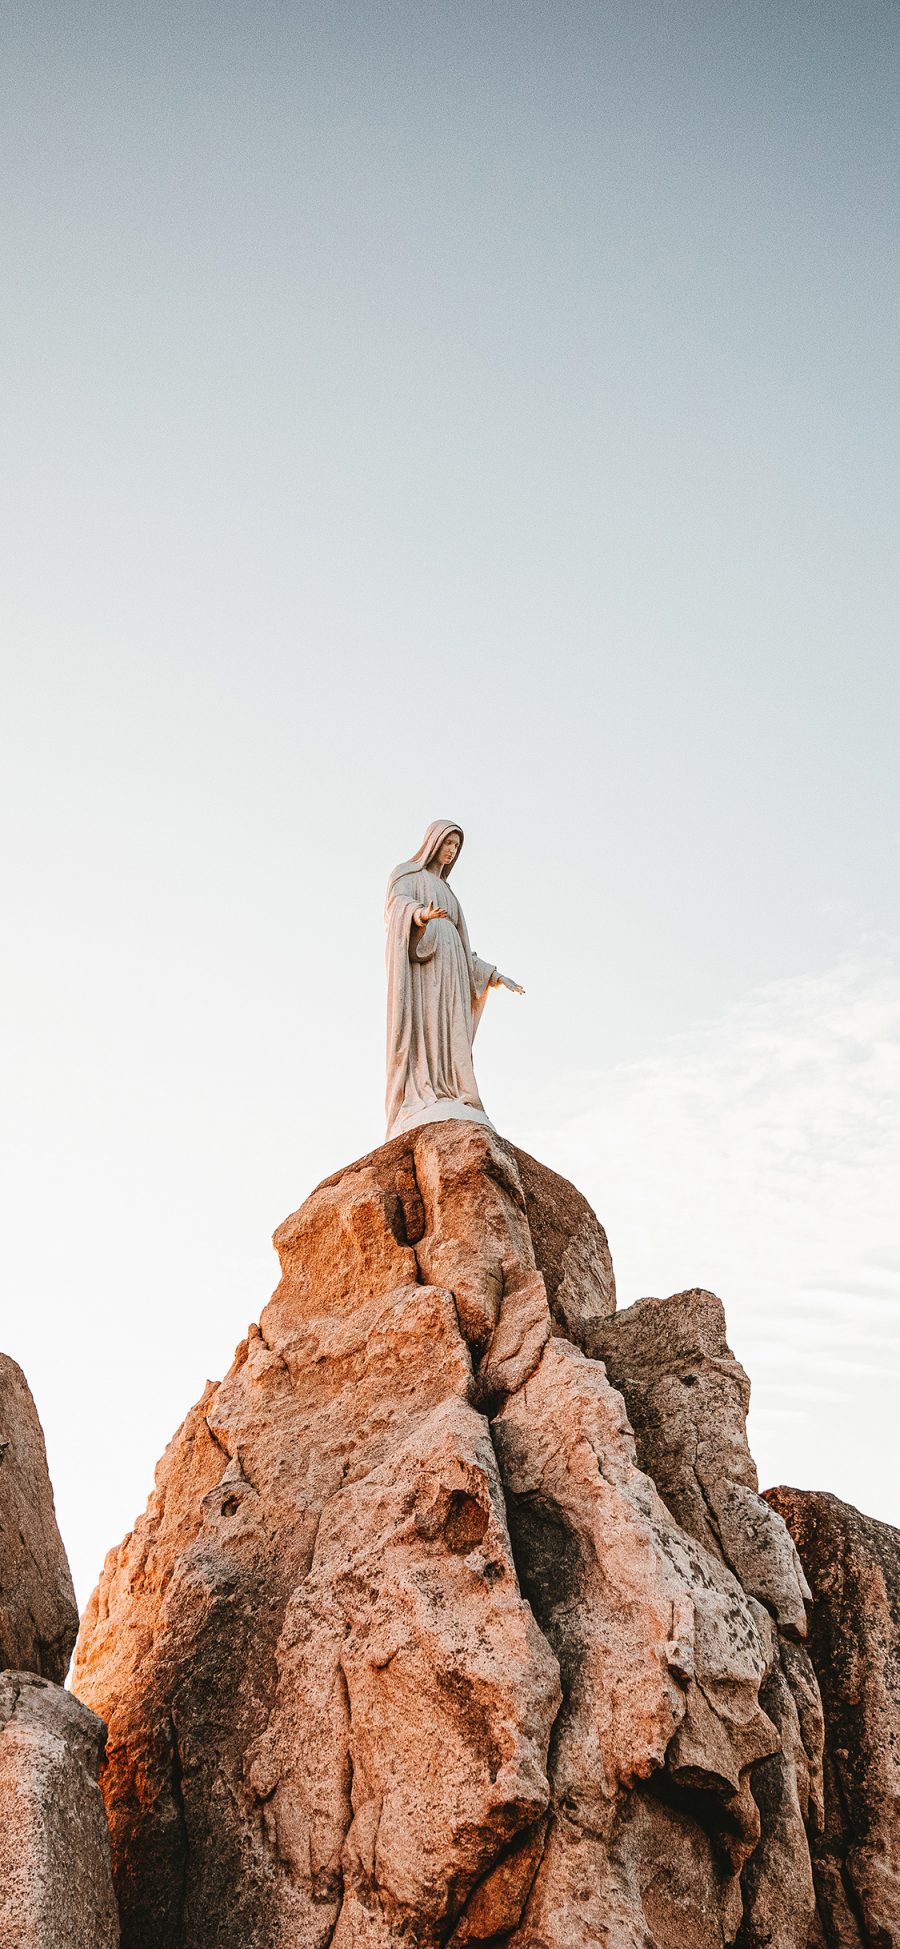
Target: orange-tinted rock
(476, 1233)
(497, 1903)
(408, 1648)
(852, 1564)
(278, 1508)
(38, 1613)
(662, 1655)
(415, 1698)
(463, 1169)
(55, 1879)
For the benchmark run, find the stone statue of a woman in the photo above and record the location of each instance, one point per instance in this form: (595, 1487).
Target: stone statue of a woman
(436, 990)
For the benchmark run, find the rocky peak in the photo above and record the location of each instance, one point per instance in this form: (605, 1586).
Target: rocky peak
(440, 1627)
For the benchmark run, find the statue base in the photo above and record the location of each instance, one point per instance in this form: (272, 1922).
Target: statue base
(445, 1111)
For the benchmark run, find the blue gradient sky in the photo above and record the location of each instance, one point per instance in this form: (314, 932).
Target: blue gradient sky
(482, 410)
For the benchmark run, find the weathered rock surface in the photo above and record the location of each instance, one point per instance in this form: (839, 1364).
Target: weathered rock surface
(38, 1613)
(662, 1655)
(571, 1250)
(56, 1887)
(422, 1641)
(852, 1564)
(687, 1399)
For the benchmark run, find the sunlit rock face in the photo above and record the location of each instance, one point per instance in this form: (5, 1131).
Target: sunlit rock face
(852, 1564)
(455, 1615)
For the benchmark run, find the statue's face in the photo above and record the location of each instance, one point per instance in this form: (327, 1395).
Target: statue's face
(447, 851)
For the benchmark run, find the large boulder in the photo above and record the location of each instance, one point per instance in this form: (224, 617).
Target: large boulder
(852, 1564)
(416, 1644)
(38, 1613)
(56, 1887)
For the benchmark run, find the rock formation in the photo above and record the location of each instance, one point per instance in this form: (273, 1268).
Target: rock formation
(687, 1400)
(38, 1613)
(56, 1887)
(455, 1616)
(853, 1567)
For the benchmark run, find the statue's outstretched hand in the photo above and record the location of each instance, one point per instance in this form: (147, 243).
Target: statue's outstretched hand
(515, 988)
(424, 914)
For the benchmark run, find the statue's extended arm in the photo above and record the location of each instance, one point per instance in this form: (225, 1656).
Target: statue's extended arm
(503, 981)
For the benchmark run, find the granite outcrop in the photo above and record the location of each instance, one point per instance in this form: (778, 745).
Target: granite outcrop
(455, 1616)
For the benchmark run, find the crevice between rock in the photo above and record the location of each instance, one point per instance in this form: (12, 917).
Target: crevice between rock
(176, 1783)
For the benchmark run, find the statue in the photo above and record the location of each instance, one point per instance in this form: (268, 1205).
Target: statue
(436, 990)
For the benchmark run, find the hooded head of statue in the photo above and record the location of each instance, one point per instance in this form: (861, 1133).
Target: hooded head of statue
(438, 831)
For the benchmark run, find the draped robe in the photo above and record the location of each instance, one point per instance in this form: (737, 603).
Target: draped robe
(436, 992)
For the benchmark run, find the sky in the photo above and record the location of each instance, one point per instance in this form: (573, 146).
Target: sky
(484, 410)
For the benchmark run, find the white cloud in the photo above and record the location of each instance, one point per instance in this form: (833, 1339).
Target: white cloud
(759, 1155)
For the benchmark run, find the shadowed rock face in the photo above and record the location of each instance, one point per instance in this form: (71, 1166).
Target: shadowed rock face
(687, 1399)
(56, 1887)
(38, 1613)
(416, 1644)
(571, 1250)
(852, 1564)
